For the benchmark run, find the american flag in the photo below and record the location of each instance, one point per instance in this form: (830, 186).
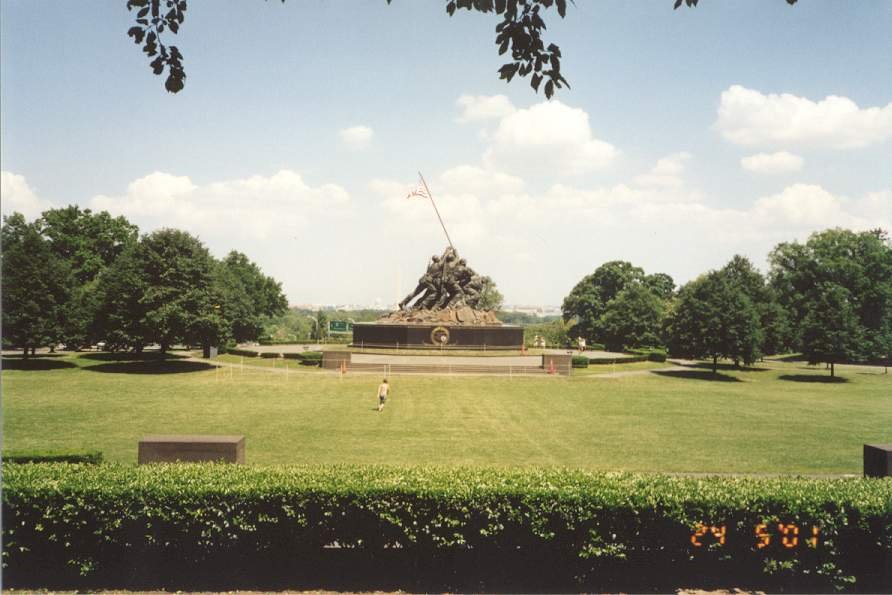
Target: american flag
(418, 191)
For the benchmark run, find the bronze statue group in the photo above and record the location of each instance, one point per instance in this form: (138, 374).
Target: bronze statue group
(448, 283)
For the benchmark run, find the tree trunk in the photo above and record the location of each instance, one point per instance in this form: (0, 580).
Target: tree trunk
(26, 352)
(715, 364)
(164, 347)
(831, 369)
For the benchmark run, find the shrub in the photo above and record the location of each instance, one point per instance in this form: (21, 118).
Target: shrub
(311, 358)
(580, 361)
(242, 352)
(653, 354)
(618, 360)
(270, 355)
(89, 457)
(596, 346)
(126, 525)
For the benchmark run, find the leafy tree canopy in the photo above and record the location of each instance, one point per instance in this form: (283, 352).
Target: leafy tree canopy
(633, 318)
(714, 318)
(831, 332)
(859, 262)
(248, 297)
(35, 286)
(520, 31)
(590, 301)
(88, 241)
(490, 297)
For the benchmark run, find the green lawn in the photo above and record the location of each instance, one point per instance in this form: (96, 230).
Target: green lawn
(783, 417)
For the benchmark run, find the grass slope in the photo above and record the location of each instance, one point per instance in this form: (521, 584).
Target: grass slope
(782, 417)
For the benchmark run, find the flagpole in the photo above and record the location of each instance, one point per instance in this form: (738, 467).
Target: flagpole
(436, 210)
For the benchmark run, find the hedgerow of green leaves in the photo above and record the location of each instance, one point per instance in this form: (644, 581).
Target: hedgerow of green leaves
(86, 517)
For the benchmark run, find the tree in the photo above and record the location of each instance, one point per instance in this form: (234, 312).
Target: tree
(588, 301)
(713, 318)
(773, 321)
(120, 317)
(35, 286)
(830, 330)
(859, 262)
(632, 319)
(247, 296)
(88, 243)
(661, 284)
(520, 30)
(607, 309)
(321, 329)
(490, 297)
(162, 291)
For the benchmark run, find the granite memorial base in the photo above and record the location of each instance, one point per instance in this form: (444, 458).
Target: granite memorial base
(878, 460)
(191, 449)
(437, 336)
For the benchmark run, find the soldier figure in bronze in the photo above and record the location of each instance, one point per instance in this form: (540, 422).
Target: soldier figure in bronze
(426, 283)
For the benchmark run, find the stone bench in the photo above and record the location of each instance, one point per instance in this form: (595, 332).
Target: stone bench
(191, 449)
(878, 460)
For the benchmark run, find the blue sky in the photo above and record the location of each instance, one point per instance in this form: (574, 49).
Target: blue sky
(688, 136)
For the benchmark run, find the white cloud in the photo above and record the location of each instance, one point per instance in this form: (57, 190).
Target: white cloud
(772, 163)
(550, 138)
(747, 117)
(667, 172)
(484, 107)
(256, 207)
(469, 178)
(877, 206)
(805, 205)
(357, 137)
(17, 196)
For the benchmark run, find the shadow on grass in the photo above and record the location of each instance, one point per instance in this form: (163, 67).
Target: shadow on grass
(814, 378)
(127, 356)
(793, 357)
(729, 367)
(35, 362)
(697, 375)
(151, 367)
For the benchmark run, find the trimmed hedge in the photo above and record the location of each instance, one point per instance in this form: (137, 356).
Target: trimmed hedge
(242, 352)
(306, 358)
(89, 457)
(579, 361)
(629, 359)
(119, 526)
(652, 354)
(270, 355)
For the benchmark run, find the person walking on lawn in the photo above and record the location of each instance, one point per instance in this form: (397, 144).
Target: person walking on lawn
(383, 389)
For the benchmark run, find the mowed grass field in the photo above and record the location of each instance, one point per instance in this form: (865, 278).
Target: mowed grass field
(777, 418)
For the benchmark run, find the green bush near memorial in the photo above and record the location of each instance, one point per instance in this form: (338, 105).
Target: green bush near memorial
(73, 523)
(776, 418)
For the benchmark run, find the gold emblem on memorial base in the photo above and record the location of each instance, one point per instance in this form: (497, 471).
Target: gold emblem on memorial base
(440, 335)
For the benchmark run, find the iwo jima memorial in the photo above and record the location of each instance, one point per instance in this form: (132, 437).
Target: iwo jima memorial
(444, 311)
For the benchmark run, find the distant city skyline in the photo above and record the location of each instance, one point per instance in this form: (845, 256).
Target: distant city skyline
(687, 136)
